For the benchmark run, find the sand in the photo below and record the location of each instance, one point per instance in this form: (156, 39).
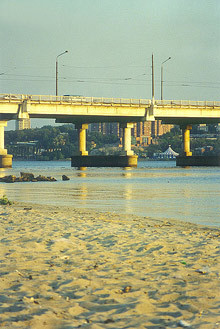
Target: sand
(66, 268)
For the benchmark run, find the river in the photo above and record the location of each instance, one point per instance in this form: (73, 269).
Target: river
(156, 189)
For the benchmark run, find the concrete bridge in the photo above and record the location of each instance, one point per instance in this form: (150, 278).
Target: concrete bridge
(84, 110)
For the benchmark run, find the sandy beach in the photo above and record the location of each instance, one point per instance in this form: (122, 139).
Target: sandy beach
(64, 268)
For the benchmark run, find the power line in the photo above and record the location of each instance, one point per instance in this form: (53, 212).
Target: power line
(77, 81)
(102, 67)
(108, 80)
(86, 81)
(168, 82)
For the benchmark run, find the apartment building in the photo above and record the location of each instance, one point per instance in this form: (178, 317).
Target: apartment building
(143, 132)
(21, 124)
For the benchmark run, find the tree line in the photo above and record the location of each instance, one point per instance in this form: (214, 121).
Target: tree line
(51, 143)
(61, 142)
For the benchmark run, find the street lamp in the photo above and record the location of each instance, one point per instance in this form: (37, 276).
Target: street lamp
(57, 70)
(152, 77)
(161, 81)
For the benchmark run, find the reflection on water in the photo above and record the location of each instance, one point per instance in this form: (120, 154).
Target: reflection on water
(158, 190)
(81, 171)
(128, 196)
(81, 192)
(2, 190)
(82, 174)
(127, 172)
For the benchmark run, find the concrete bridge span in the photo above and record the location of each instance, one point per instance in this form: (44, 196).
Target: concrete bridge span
(84, 110)
(73, 109)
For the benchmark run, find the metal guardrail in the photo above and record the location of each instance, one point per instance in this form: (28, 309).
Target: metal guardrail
(17, 98)
(186, 103)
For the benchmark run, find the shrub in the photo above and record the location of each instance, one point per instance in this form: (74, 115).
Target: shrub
(4, 200)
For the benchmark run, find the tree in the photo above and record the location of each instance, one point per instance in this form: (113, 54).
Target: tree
(55, 143)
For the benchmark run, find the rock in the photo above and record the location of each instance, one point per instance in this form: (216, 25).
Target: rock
(51, 179)
(26, 177)
(109, 321)
(64, 177)
(45, 179)
(8, 179)
(204, 270)
(126, 289)
(11, 179)
(184, 324)
(18, 179)
(41, 178)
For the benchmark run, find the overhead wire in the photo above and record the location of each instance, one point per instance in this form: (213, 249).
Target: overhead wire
(109, 80)
(113, 83)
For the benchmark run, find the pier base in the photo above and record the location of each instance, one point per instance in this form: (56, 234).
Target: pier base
(196, 160)
(6, 161)
(104, 161)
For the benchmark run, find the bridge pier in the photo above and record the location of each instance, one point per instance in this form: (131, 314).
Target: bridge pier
(127, 138)
(82, 138)
(186, 140)
(5, 158)
(186, 159)
(82, 159)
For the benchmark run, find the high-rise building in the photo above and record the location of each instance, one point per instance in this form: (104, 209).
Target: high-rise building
(110, 128)
(143, 132)
(22, 124)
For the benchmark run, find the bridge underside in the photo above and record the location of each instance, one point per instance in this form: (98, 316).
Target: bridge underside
(198, 161)
(186, 121)
(104, 161)
(96, 119)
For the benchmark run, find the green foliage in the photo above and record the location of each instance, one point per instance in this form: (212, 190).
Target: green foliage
(107, 151)
(47, 137)
(174, 138)
(52, 143)
(100, 139)
(58, 143)
(4, 201)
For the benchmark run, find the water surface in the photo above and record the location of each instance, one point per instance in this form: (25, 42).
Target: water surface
(156, 189)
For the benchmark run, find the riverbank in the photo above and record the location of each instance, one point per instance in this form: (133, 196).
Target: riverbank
(66, 268)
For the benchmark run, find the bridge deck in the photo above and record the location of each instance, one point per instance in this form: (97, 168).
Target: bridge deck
(99, 109)
(73, 100)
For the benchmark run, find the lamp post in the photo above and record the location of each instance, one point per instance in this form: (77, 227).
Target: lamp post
(57, 70)
(161, 76)
(152, 77)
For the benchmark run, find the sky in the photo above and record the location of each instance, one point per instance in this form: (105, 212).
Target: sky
(110, 45)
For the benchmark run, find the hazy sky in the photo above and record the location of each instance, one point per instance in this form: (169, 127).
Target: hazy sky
(110, 43)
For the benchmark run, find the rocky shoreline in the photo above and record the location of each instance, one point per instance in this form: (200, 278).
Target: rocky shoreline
(29, 177)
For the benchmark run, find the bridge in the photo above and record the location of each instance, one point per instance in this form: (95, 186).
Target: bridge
(84, 110)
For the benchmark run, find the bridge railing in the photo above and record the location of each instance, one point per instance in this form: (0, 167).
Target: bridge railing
(75, 100)
(104, 100)
(186, 103)
(11, 97)
(81, 100)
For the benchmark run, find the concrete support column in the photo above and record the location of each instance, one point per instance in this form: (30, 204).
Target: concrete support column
(3, 124)
(186, 140)
(5, 158)
(127, 137)
(82, 138)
